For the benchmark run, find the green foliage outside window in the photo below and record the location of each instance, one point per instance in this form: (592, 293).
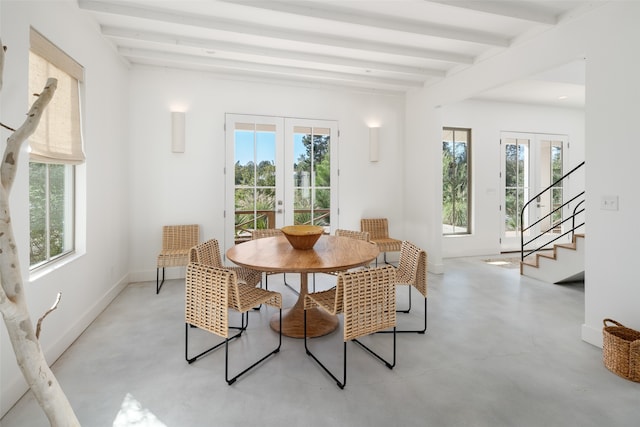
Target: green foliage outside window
(47, 200)
(313, 196)
(455, 181)
(255, 187)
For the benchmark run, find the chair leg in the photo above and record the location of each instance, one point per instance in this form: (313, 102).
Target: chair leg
(342, 383)
(244, 322)
(408, 309)
(158, 283)
(413, 331)
(190, 360)
(295, 291)
(339, 383)
(389, 365)
(226, 356)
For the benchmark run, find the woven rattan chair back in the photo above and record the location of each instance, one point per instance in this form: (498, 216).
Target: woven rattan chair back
(177, 240)
(353, 234)
(207, 253)
(412, 267)
(369, 301)
(206, 298)
(265, 232)
(378, 229)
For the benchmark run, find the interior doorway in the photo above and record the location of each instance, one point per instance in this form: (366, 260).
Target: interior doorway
(530, 163)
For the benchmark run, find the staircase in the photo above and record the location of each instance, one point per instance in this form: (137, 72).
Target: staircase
(564, 263)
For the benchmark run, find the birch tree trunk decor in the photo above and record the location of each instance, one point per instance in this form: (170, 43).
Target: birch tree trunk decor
(13, 305)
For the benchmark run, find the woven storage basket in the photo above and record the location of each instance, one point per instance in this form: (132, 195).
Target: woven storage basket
(621, 350)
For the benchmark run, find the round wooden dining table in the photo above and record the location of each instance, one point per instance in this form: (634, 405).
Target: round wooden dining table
(330, 254)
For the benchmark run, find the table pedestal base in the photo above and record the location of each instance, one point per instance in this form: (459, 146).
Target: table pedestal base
(319, 322)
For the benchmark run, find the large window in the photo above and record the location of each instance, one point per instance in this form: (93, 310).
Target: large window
(55, 149)
(456, 181)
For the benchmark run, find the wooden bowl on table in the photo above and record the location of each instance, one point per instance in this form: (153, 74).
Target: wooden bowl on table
(302, 237)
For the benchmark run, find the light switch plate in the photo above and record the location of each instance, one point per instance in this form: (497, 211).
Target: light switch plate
(609, 203)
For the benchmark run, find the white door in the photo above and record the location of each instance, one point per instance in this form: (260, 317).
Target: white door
(279, 171)
(530, 164)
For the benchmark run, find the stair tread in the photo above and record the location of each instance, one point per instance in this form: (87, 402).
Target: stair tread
(566, 245)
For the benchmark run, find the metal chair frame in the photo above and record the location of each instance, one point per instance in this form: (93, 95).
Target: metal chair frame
(356, 289)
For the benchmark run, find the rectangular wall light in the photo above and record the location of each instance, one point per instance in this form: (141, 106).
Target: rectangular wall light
(373, 144)
(177, 131)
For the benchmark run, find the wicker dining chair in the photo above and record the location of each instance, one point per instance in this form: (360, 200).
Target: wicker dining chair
(412, 272)
(177, 240)
(209, 294)
(378, 229)
(208, 253)
(367, 300)
(353, 234)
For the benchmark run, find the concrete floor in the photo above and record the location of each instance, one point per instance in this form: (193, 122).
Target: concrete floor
(501, 350)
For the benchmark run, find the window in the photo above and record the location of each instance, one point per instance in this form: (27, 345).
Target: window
(55, 149)
(456, 181)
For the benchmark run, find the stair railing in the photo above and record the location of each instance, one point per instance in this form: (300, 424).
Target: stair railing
(577, 210)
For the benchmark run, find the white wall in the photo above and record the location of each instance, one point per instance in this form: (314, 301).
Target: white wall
(180, 188)
(487, 120)
(100, 269)
(606, 37)
(612, 156)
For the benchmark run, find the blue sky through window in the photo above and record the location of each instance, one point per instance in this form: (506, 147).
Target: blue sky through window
(265, 146)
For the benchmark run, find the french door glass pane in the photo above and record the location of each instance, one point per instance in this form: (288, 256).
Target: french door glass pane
(255, 172)
(556, 193)
(516, 181)
(311, 178)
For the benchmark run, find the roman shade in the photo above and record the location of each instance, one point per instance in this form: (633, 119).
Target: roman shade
(58, 138)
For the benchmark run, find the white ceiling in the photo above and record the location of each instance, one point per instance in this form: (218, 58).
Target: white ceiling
(381, 45)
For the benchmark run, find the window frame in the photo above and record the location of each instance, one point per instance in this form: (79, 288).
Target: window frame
(61, 194)
(69, 227)
(469, 228)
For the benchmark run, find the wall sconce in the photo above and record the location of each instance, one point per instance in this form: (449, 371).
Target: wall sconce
(177, 131)
(373, 144)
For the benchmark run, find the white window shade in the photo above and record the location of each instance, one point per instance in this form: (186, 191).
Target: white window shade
(58, 138)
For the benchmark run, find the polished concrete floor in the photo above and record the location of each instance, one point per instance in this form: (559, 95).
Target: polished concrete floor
(500, 350)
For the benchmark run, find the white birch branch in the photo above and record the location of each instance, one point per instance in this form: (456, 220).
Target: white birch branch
(13, 305)
(46, 313)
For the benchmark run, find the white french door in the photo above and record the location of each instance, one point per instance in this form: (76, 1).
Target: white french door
(529, 164)
(279, 171)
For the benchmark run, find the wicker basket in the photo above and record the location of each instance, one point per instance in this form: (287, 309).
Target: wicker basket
(621, 350)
